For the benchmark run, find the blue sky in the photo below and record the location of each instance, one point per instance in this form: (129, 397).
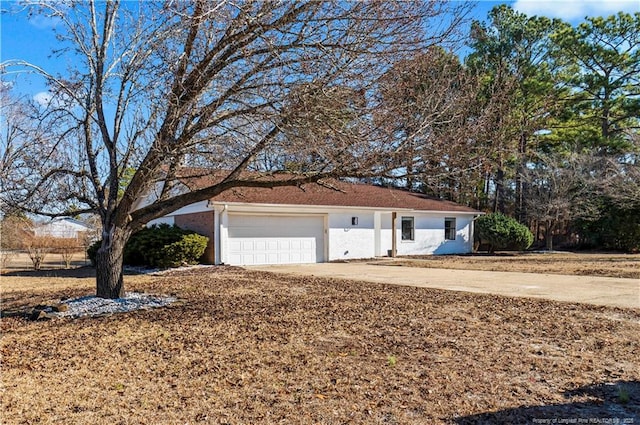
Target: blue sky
(32, 39)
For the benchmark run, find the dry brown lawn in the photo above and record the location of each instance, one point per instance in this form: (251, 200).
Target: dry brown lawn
(51, 261)
(584, 264)
(248, 347)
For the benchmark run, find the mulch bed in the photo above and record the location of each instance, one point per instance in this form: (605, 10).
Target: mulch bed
(254, 347)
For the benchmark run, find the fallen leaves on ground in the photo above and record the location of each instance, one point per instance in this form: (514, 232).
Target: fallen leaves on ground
(253, 347)
(581, 264)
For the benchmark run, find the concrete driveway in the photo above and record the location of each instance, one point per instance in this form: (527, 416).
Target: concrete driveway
(606, 291)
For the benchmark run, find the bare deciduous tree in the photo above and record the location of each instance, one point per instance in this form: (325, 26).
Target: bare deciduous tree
(38, 248)
(427, 102)
(67, 248)
(618, 179)
(159, 86)
(435, 107)
(15, 233)
(563, 188)
(19, 138)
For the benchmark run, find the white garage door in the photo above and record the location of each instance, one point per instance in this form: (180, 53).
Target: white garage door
(275, 239)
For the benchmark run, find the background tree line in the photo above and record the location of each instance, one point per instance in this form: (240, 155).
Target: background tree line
(556, 142)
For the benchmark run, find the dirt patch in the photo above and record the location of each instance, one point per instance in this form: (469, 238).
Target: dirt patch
(255, 347)
(582, 264)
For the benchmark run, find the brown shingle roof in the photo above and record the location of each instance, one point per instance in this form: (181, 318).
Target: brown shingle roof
(340, 194)
(328, 192)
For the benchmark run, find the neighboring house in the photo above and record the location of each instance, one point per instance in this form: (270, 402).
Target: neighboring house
(63, 228)
(314, 223)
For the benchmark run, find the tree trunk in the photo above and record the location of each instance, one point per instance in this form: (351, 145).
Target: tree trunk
(498, 201)
(549, 236)
(520, 181)
(109, 273)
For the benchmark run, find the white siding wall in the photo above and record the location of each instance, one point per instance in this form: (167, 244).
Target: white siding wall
(347, 241)
(385, 233)
(429, 235)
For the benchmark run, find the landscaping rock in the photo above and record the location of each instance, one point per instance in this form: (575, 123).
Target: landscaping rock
(60, 307)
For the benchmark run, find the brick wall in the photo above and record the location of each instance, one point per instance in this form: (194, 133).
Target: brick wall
(201, 223)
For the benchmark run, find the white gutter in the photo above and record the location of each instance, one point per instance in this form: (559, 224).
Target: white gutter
(314, 208)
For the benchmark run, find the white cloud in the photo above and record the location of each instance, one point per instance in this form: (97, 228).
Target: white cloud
(44, 22)
(43, 98)
(51, 16)
(575, 9)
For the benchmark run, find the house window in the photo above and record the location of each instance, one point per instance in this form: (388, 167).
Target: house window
(450, 229)
(407, 229)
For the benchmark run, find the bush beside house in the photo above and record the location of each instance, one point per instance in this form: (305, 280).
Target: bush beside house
(160, 246)
(502, 232)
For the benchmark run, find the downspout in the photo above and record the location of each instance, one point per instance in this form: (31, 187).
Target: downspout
(394, 243)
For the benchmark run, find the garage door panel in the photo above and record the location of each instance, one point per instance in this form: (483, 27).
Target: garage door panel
(275, 239)
(284, 245)
(235, 258)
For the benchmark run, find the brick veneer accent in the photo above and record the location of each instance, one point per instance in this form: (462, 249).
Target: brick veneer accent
(201, 223)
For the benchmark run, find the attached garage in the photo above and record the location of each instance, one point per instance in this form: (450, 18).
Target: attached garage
(275, 239)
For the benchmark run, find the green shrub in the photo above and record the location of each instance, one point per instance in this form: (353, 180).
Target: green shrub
(522, 237)
(160, 246)
(502, 232)
(144, 248)
(185, 251)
